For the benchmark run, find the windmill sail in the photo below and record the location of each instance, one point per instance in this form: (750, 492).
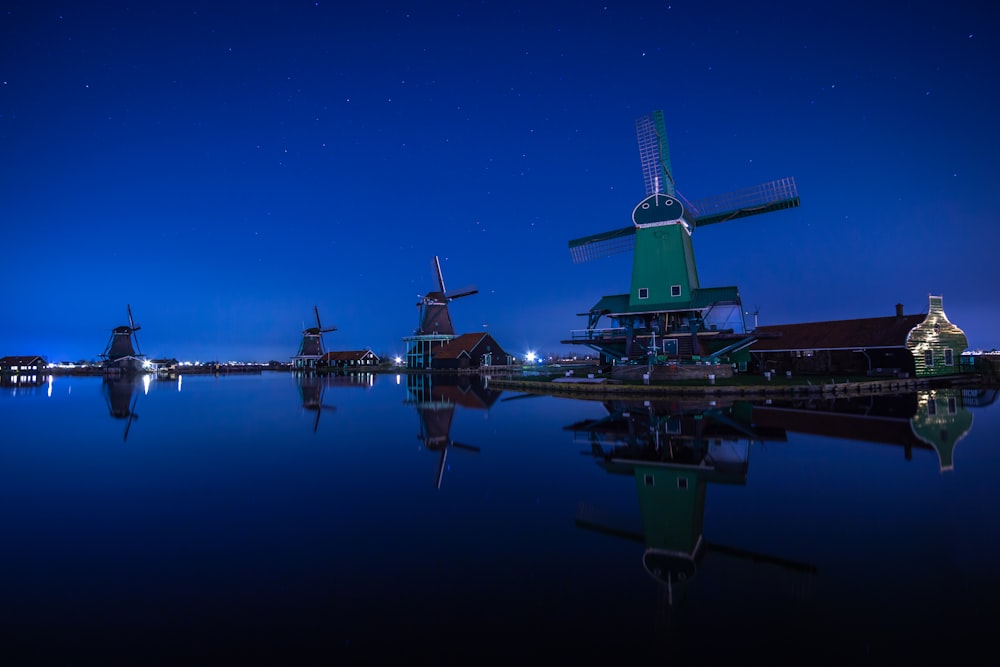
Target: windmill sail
(601, 245)
(764, 198)
(654, 155)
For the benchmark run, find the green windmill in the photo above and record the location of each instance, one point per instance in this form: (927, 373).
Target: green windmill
(666, 308)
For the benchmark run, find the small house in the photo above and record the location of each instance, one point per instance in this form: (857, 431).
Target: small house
(351, 359)
(22, 365)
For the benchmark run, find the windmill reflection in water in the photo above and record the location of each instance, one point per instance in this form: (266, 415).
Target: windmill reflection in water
(674, 450)
(121, 392)
(436, 397)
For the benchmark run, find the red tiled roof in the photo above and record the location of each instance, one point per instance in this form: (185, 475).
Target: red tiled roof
(454, 348)
(869, 332)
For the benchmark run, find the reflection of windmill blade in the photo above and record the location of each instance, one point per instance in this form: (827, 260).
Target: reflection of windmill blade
(316, 421)
(520, 396)
(131, 416)
(465, 291)
(654, 155)
(436, 265)
(602, 245)
(764, 198)
(758, 557)
(440, 474)
(468, 448)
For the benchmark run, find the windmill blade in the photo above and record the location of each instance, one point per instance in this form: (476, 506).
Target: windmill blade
(465, 291)
(764, 198)
(436, 265)
(131, 323)
(318, 325)
(654, 155)
(602, 245)
(135, 338)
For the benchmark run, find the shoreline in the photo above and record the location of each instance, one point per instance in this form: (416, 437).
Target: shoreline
(772, 389)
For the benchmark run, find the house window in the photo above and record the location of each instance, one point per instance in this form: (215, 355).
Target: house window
(949, 358)
(675, 290)
(952, 405)
(682, 483)
(931, 407)
(643, 292)
(928, 357)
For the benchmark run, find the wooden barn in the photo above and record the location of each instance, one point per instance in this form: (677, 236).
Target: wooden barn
(472, 350)
(901, 345)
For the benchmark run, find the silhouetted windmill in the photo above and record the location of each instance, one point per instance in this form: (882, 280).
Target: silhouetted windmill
(311, 348)
(434, 315)
(665, 295)
(122, 354)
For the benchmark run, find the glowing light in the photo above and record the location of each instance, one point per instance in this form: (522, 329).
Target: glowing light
(531, 357)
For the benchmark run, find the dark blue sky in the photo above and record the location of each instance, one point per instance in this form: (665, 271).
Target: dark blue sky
(224, 166)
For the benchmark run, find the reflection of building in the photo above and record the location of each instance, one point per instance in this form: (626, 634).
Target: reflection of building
(436, 397)
(909, 345)
(929, 420)
(674, 451)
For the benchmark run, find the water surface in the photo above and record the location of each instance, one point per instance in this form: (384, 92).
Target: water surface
(434, 520)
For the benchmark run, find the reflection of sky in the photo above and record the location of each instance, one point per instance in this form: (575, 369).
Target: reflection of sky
(224, 168)
(224, 510)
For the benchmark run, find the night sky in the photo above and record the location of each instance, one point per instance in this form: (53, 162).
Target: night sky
(225, 166)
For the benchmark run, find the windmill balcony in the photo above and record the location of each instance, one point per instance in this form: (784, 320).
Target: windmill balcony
(596, 334)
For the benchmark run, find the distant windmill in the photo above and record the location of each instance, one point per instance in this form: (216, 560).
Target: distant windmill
(122, 354)
(434, 315)
(665, 293)
(311, 348)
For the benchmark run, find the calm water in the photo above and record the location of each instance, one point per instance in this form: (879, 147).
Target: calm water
(287, 520)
